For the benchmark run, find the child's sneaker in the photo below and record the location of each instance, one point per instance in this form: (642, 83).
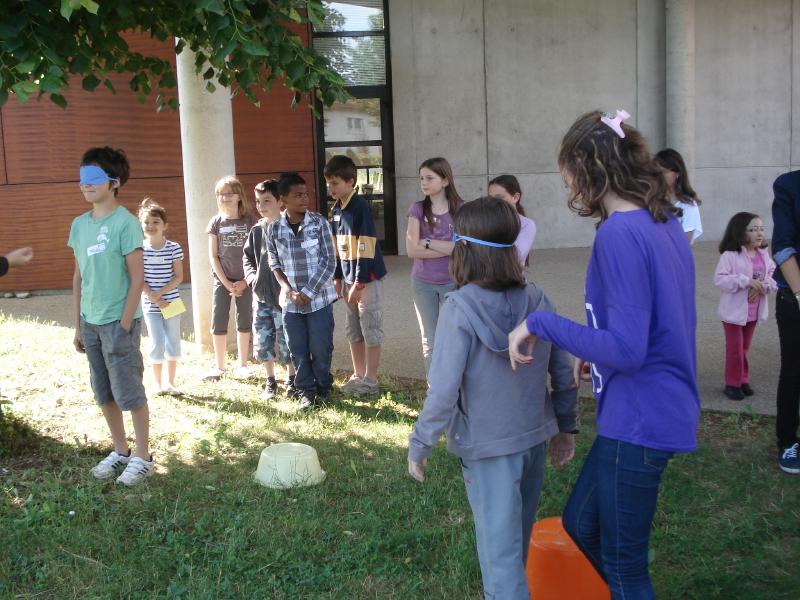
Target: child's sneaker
(366, 388)
(137, 469)
(243, 373)
(351, 385)
(109, 466)
(787, 459)
(214, 374)
(170, 390)
(270, 389)
(307, 401)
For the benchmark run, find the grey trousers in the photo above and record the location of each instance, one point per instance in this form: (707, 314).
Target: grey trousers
(428, 298)
(503, 493)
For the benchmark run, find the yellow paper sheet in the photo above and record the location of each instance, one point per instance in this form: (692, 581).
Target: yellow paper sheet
(173, 309)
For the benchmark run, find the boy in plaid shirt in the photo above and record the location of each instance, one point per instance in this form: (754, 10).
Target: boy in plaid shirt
(302, 257)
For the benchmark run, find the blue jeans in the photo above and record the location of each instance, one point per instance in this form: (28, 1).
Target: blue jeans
(165, 337)
(310, 339)
(503, 493)
(610, 513)
(428, 298)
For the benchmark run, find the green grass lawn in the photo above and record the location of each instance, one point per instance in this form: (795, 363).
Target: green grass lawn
(727, 527)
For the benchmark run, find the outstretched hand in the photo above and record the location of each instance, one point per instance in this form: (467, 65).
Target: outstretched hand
(20, 256)
(520, 346)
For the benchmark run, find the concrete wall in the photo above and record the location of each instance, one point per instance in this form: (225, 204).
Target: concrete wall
(493, 84)
(746, 93)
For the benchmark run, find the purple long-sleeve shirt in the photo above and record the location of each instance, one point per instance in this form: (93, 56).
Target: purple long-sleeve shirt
(640, 306)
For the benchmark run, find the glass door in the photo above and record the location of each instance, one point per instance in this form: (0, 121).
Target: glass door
(355, 41)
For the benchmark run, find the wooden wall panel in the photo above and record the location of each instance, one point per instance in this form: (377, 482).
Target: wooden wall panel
(40, 215)
(273, 137)
(45, 143)
(42, 147)
(2, 154)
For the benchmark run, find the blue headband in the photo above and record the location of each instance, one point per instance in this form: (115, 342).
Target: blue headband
(458, 238)
(93, 175)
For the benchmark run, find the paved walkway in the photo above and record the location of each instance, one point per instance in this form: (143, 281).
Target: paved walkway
(560, 273)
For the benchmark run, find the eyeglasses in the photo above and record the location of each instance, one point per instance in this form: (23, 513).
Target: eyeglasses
(754, 229)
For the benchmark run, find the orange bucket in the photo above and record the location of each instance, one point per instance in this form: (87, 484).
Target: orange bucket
(557, 569)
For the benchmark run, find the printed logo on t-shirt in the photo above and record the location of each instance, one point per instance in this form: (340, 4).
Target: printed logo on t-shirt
(232, 236)
(100, 246)
(597, 379)
(96, 249)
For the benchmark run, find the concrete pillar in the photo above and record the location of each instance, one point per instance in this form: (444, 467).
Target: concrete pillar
(680, 79)
(207, 145)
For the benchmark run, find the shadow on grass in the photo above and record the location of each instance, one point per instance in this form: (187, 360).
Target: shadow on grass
(201, 527)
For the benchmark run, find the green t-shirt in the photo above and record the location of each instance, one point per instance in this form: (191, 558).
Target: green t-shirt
(100, 247)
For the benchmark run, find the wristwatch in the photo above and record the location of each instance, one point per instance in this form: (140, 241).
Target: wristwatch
(427, 243)
(797, 297)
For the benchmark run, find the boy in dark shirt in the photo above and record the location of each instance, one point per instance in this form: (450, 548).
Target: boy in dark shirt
(359, 274)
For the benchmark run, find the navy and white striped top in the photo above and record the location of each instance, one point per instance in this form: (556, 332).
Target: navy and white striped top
(158, 270)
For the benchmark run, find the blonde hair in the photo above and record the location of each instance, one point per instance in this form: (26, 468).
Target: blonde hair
(237, 188)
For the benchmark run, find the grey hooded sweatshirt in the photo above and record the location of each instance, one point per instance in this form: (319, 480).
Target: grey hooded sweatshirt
(488, 409)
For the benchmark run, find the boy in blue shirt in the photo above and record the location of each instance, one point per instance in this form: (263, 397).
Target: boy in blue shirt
(107, 285)
(359, 274)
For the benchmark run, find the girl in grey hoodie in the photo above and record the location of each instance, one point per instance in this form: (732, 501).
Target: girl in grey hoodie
(497, 421)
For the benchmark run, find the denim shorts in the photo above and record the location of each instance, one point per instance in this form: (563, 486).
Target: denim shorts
(115, 363)
(268, 333)
(364, 321)
(165, 336)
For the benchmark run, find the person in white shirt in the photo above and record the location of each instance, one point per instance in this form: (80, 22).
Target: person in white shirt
(681, 192)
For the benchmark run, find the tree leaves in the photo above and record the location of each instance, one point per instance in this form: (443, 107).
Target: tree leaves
(246, 44)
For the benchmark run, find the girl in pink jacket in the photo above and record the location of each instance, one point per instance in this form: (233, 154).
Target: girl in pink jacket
(744, 277)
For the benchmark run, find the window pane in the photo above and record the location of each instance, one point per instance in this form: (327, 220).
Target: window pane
(370, 180)
(363, 156)
(359, 60)
(353, 121)
(364, 15)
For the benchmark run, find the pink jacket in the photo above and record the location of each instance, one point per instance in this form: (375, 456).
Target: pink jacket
(734, 272)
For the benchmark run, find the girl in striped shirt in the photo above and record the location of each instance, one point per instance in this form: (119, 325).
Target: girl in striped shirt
(163, 272)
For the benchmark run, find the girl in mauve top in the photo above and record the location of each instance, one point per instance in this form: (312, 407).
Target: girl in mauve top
(429, 241)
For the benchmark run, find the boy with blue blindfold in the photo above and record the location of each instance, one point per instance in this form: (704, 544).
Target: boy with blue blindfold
(107, 285)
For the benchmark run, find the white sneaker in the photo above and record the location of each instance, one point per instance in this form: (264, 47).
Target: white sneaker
(214, 374)
(243, 373)
(137, 469)
(109, 466)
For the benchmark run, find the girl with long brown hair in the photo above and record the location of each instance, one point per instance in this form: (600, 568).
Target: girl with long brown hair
(639, 345)
(429, 242)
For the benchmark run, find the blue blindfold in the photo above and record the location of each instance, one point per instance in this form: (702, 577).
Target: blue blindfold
(458, 238)
(93, 175)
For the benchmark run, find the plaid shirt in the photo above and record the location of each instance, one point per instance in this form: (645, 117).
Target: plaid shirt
(308, 260)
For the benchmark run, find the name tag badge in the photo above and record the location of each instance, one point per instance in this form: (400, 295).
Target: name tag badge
(96, 249)
(337, 218)
(308, 244)
(228, 229)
